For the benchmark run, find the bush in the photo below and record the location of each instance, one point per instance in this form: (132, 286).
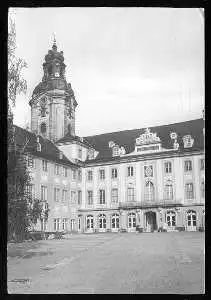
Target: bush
(201, 229)
(58, 235)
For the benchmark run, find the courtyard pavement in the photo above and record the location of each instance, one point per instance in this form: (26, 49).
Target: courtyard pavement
(118, 263)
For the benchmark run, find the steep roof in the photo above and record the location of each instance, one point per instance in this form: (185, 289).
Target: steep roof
(127, 138)
(69, 138)
(48, 149)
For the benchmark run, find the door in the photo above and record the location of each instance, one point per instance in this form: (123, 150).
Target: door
(150, 221)
(191, 220)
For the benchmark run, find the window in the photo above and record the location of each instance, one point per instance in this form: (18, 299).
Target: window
(168, 167)
(114, 195)
(89, 175)
(64, 224)
(79, 223)
(202, 164)
(44, 165)
(57, 170)
(30, 190)
(130, 194)
(79, 175)
(74, 174)
(168, 191)
(113, 173)
(115, 221)
(56, 194)
(56, 224)
(202, 189)
(31, 162)
(90, 154)
(189, 190)
(188, 165)
(79, 153)
(131, 220)
(73, 197)
(79, 197)
(130, 171)
(102, 221)
(148, 171)
(191, 218)
(64, 195)
(89, 222)
(171, 218)
(102, 174)
(43, 224)
(64, 171)
(43, 193)
(102, 196)
(90, 197)
(149, 191)
(115, 151)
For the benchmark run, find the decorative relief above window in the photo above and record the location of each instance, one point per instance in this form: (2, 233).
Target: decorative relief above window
(148, 171)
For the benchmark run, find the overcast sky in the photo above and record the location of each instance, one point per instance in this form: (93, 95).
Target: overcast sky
(129, 67)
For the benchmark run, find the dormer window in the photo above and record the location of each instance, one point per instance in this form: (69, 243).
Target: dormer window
(116, 151)
(80, 153)
(38, 145)
(90, 154)
(188, 141)
(60, 155)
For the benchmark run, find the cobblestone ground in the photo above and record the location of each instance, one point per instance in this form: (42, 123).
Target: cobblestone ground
(127, 263)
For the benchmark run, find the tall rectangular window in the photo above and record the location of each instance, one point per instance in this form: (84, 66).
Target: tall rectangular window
(79, 175)
(44, 165)
(102, 196)
(64, 171)
(114, 173)
(102, 174)
(79, 153)
(202, 164)
(43, 193)
(188, 165)
(64, 223)
(73, 197)
(74, 174)
(167, 167)
(56, 224)
(57, 170)
(114, 195)
(89, 175)
(64, 195)
(56, 194)
(130, 194)
(90, 197)
(79, 197)
(189, 190)
(130, 171)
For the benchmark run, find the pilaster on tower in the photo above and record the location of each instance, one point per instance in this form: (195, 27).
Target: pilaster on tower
(53, 102)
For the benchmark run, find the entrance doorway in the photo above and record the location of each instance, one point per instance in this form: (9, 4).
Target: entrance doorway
(150, 221)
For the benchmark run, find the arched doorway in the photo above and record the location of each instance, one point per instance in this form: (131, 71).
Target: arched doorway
(115, 222)
(191, 220)
(102, 222)
(150, 221)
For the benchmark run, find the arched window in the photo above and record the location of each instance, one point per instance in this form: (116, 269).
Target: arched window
(149, 191)
(115, 221)
(102, 221)
(131, 220)
(191, 218)
(168, 191)
(171, 218)
(89, 222)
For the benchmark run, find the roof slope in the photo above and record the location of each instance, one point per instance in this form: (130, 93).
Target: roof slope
(48, 149)
(127, 138)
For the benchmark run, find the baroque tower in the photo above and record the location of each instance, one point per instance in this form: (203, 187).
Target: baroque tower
(53, 102)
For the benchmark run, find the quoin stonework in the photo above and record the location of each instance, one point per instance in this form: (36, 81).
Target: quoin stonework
(142, 179)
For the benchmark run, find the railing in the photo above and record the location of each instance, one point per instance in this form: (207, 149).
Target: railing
(150, 203)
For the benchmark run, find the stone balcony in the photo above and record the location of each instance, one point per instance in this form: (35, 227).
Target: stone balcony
(150, 203)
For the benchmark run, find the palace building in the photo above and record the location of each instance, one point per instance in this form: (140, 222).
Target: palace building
(147, 178)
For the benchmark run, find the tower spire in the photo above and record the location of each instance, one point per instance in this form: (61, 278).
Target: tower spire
(54, 47)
